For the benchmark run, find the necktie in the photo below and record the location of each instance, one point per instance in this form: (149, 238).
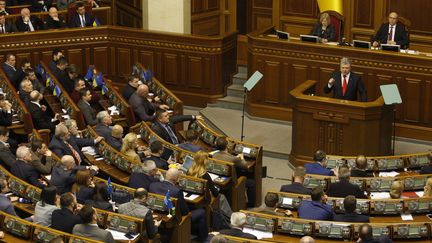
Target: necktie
(171, 134)
(74, 153)
(344, 85)
(82, 21)
(1, 29)
(390, 35)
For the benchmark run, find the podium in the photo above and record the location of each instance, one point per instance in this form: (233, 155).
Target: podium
(339, 127)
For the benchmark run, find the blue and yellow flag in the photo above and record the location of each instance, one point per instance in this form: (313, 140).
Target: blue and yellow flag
(104, 89)
(96, 22)
(335, 5)
(89, 74)
(167, 201)
(135, 69)
(57, 91)
(109, 187)
(48, 81)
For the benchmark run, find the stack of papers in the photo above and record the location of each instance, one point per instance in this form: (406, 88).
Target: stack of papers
(113, 110)
(89, 150)
(258, 233)
(117, 235)
(380, 195)
(406, 217)
(388, 174)
(190, 197)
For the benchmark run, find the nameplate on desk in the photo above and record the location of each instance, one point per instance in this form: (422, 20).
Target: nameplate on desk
(309, 38)
(387, 47)
(362, 44)
(282, 35)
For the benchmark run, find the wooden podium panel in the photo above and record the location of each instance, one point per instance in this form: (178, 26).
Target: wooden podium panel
(337, 126)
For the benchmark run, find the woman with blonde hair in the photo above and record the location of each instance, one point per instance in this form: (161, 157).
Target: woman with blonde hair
(128, 147)
(199, 170)
(83, 188)
(324, 29)
(396, 189)
(428, 188)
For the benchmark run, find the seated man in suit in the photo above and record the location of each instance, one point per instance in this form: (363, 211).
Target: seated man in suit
(241, 167)
(137, 208)
(324, 29)
(271, 201)
(103, 127)
(366, 235)
(31, 75)
(40, 118)
(62, 143)
(344, 188)
(428, 168)
(42, 159)
(85, 107)
(144, 109)
(319, 166)
(144, 174)
(5, 111)
(392, 33)
(297, 185)
(191, 142)
(26, 87)
(3, 8)
(6, 26)
(53, 20)
(346, 84)
(11, 71)
(27, 22)
(199, 219)
(156, 150)
(56, 54)
(317, 209)
(361, 166)
(5, 203)
(81, 18)
(7, 158)
(89, 227)
(350, 203)
(117, 137)
(80, 84)
(238, 221)
(131, 87)
(65, 218)
(60, 73)
(23, 169)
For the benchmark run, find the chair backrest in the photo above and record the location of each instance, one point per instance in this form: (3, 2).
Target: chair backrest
(337, 20)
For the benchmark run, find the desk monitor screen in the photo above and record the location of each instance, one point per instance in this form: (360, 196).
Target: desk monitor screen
(309, 38)
(188, 162)
(287, 201)
(362, 44)
(282, 35)
(387, 47)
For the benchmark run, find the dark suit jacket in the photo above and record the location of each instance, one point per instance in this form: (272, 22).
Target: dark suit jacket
(103, 131)
(137, 180)
(7, 158)
(60, 148)
(296, 187)
(400, 35)
(25, 97)
(6, 205)
(161, 131)
(50, 23)
(344, 188)
(143, 109)
(351, 217)
(26, 172)
(160, 163)
(10, 27)
(361, 173)
(64, 220)
(23, 27)
(63, 78)
(88, 112)
(161, 188)
(128, 91)
(237, 233)
(328, 34)
(37, 7)
(84, 194)
(76, 22)
(40, 118)
(63, 179)
(12, 75)
(426, 169)
(5, 118)
(355, 85)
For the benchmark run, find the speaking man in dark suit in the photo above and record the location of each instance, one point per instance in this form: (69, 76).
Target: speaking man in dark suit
(81, 18)
(350, 215)
(344, 187)
(346, 84)
(297, 185)
(199, 221)
(27, 22)
(392, 33)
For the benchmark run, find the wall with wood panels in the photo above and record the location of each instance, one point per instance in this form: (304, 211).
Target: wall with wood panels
(213, 17)
(129, 13)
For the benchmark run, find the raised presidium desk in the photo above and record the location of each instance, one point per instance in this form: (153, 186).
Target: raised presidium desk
(287, 64)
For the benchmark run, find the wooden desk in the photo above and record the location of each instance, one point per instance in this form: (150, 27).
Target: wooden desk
(286, 64)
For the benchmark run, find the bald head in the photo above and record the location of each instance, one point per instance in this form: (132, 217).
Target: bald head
(172, 175)
(393, 18)
(35, 95)
(68, 161)
(117, 131)
(25, 12)
(361, 162)
(142, 90)
(307, 239)
(53, 12)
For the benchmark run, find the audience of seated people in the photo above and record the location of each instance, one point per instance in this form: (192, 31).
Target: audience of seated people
(5, 203)
(5, 111)
(53, 20)
(297, 185)
(23, 169)
(143, 175)
(428, 168)
(7, 158)
(143, 106)
(428, 188)
(396, 189)
(42, 159)
(65, 218)
(116, 139)
(101, 197)
(85, 107)
(130, 144)
(271, 202)
(156, 151)
(84, 185)
(10, 70)
(56, 54)
(81, 18)
(28, 22)
(131, 87)
(343, 187)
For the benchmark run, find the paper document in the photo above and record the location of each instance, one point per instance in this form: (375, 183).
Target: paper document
(48, 177)
(64, 111)
(380, 195)
(258, 233)
(388, 174)
(213, 176)
(420, 193)
(88, 150)
(117, 235)
(66, 117)
(406, 217)
(191, 197)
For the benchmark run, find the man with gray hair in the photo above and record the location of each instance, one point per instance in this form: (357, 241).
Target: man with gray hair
(40, 117)
(103, 128)
(143, 175)
(23, 169)
(343, 187)
(346, 84)
(238, 221)
(143, 108)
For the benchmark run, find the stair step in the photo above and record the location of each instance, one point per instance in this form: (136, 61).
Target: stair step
(229, 102)
(235, 90)
(242, 69)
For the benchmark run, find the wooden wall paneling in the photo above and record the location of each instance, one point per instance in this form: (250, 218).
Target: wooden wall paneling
(427, 101)
(77, 56)
(100, 59)
(184, 75)
(363, 14)
(124, 61)
(299, 74)
(113, 61)
(271, 82)
(171, 69)
(129, 13)
(21, 56)
(146, 58)
(413, 105)
(45, 56)
(284, 85)
(324, 76)
(209, 26)
(261, 14)
(195, 69)
(304, 8)
(418, 12)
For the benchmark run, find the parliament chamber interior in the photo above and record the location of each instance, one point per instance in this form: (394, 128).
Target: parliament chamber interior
(215, 121)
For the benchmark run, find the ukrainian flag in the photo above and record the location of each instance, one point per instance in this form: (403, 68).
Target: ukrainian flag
(96, 23)
(57, 91)
(335, 5)
(48, 81)
(94, 78)
(89, 74)
(104, 89)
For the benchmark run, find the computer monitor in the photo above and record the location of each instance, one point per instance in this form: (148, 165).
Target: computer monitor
(309, 38)
(282, 35)
(362, 44)
(188, 162)
(387, 47)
